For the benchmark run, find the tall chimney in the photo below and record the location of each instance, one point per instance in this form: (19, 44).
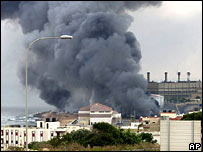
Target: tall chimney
(165, 76)
(148, 76)
(188, 76)
(178, 76)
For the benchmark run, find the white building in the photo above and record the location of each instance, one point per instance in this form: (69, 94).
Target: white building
(159, 99)
(16, 135)
(133, 125)
(176, 135)
(97, 112)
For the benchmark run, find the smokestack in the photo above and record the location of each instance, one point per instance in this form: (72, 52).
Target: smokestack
(188, 76)
(165, 76)
(178, 76)
(148, 77)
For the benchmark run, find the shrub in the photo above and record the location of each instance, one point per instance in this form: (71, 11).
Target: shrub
(147, 137)
(130, 138)
(192, 116)
(33, 145)
(56, 141)
(79, 135)
(103, 134)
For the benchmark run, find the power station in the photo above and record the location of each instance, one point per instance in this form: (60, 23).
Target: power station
(176, 91)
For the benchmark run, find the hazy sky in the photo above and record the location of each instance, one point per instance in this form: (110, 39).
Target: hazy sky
(170, 37)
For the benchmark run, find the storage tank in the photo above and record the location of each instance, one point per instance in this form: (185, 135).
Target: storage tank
(47, 119)
(53, 119)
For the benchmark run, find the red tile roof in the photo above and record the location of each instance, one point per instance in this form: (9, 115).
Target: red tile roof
(86, 108)
(96, 107)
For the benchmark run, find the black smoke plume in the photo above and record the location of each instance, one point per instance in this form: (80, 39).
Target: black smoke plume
(103, 57)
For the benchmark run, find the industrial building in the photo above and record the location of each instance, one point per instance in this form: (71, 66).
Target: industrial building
(176, 91)
(15, 136)
(97, 112)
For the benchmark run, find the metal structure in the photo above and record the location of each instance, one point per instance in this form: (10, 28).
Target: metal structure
(176, 90)
(26, 82)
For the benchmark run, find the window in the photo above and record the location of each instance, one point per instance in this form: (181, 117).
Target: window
(16, 142)
(33, 133)
(6, 132)
(6, 141)
(2, 141)
(41, 133)
(52, 133)
(16, 133)
(47, 126)
(101, 111)
(2, 132)
(40, 124)
(92, 111)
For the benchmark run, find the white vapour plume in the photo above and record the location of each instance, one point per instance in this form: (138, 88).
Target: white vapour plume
(92, 97)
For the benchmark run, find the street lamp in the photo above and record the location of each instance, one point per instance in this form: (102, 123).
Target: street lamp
(26, 63)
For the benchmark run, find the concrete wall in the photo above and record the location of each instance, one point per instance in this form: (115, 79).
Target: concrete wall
(176, 135)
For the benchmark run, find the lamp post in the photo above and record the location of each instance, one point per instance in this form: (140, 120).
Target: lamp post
(26, 64)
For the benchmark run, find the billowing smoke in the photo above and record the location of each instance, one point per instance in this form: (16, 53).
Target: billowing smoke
(102, 56)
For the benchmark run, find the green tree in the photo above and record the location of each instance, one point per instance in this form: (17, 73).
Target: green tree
(147, 137)
(79, 135)
(56, 141)
(192, 116)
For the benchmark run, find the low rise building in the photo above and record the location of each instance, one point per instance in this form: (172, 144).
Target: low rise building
(45, 130)
(133, 125)
(150, 123)
(97, 112)
(170, 114)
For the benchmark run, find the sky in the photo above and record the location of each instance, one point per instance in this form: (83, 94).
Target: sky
(170, 38)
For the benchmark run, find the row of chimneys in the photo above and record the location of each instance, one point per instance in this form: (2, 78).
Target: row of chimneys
(166, 79)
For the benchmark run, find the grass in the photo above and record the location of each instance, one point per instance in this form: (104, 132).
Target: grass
(144, 146)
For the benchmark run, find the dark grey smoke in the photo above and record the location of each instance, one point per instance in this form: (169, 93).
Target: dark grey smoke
(103, 56)
(9, 9)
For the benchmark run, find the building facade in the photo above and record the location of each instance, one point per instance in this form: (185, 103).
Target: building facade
(176, 90)
(150, 123)
(15, 136)
(97, 112)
